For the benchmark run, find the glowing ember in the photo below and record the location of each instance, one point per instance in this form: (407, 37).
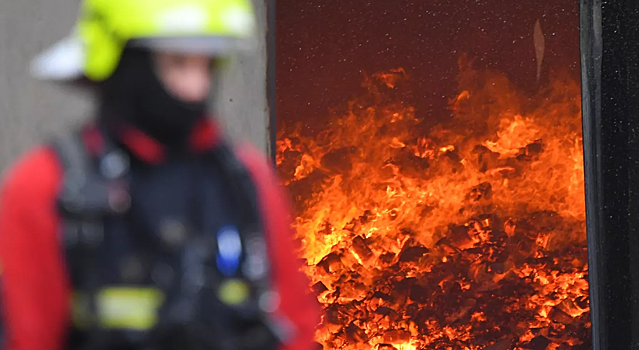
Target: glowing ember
(470, 235)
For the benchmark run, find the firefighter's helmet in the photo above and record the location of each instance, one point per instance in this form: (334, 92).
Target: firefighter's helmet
(218, 28)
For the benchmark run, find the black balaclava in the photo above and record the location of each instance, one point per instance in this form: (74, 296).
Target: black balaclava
(135, 95)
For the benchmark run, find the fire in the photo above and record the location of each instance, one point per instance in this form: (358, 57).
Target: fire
(467, 235)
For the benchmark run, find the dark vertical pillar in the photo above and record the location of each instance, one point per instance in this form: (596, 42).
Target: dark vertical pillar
(629, 67)
(610, 84)
(591, 47)
(271, 77)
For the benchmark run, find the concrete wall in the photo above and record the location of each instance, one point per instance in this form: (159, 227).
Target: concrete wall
(31, 111)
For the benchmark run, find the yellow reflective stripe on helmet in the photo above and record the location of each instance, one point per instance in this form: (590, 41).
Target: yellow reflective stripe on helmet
(120, 308)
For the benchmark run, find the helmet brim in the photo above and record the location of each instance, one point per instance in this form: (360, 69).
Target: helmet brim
(209, 46)
(62, 62)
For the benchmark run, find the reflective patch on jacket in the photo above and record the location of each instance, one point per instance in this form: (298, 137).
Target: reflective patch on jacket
(132, 308)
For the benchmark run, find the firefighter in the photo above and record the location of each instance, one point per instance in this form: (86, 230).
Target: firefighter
(146, 228)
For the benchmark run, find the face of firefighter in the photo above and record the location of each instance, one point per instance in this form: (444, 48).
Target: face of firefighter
(186, 77)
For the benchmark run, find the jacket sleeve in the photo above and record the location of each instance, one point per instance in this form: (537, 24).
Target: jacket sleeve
(34, 289)
(297, 302)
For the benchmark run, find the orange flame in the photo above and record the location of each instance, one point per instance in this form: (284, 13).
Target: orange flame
(467, 235)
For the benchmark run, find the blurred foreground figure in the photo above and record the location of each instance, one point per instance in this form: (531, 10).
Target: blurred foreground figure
(147, 229)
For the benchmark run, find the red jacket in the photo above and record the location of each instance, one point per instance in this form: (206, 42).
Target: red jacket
(35, 286)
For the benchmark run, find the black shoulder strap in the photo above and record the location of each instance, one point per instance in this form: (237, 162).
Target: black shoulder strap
(72, 153)
(251, 227)
(86, 192)
(86, 198)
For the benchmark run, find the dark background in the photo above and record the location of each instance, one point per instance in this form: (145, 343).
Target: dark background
(324, 45)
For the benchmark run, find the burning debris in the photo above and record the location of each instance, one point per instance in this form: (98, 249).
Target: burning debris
(465, 238)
